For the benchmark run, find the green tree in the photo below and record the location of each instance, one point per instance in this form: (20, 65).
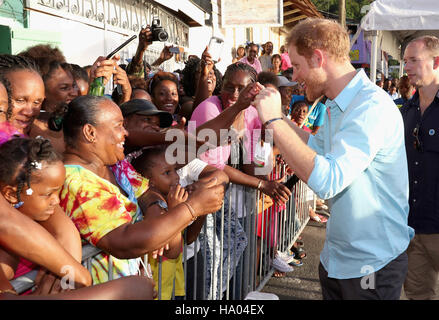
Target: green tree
(353, 8)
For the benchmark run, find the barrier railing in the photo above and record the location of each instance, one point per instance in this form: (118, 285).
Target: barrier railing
(233, 253)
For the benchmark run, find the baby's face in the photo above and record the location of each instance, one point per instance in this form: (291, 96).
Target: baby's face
(163, 175)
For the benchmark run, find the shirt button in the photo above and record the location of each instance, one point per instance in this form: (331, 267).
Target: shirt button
(416, 181)
(416, 163)
(414, 200)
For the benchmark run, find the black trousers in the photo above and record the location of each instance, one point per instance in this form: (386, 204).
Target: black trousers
(385, 284)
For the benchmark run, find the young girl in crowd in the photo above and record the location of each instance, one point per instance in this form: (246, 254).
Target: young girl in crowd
(276, 62)
(30, 179)
(164, 193)
(31, 176)
(166, 190)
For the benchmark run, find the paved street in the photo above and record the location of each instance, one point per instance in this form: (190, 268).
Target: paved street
(303, 283)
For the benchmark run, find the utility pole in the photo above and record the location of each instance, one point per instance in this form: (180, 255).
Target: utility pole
(342, 12)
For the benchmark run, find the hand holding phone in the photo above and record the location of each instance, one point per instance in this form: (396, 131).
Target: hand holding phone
(175, 50)
(215, 48)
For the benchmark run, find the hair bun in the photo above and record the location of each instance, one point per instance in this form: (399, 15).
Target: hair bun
(39, 148)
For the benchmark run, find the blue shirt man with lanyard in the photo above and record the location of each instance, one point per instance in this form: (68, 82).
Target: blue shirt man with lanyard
(357, 161)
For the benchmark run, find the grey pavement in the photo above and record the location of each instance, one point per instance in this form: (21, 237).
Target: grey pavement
(302, 283)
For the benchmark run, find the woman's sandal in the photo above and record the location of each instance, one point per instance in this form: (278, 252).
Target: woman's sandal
(319, 218)
(296, 263)
(299, 253)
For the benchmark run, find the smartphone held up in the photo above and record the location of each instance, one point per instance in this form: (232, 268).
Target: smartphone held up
(215, 48)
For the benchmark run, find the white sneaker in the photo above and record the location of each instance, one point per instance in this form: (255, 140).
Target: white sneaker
(281, 265)
(285, 256)
(256, 295)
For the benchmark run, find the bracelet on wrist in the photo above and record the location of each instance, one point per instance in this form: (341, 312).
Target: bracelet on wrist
(259, 185)
(9, 291)
(266, 123)
(191, 210)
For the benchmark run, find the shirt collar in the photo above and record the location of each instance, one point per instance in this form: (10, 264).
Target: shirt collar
(345, 97)
(414, 100)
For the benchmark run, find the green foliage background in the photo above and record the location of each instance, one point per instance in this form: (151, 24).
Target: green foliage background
(353, 7)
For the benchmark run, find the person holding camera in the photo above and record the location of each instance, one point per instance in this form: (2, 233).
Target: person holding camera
(147, 36)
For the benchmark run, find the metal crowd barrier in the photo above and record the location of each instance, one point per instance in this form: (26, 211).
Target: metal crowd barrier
(279, 227)
(235, 247)
(27, 281)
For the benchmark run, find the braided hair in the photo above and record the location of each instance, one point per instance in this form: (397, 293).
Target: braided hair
(21, 157)
(10, 63)
(240, 66)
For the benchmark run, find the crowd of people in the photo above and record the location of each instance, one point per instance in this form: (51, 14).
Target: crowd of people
(93, 169)
(401, 90)
(83, 168)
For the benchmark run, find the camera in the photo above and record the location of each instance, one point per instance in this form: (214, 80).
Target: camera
(158, 32)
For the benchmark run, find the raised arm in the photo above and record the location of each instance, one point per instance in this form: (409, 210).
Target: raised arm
(135, 67)
(202, 89)
(288, 138)
(226, 118)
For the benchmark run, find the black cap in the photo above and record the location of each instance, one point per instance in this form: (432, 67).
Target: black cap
(146, 108)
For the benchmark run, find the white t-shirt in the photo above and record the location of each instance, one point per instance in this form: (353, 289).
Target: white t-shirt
(188, 175)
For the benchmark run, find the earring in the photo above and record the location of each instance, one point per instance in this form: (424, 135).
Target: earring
(18, 205)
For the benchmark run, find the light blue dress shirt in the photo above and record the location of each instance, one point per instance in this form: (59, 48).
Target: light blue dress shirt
(361, 167)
